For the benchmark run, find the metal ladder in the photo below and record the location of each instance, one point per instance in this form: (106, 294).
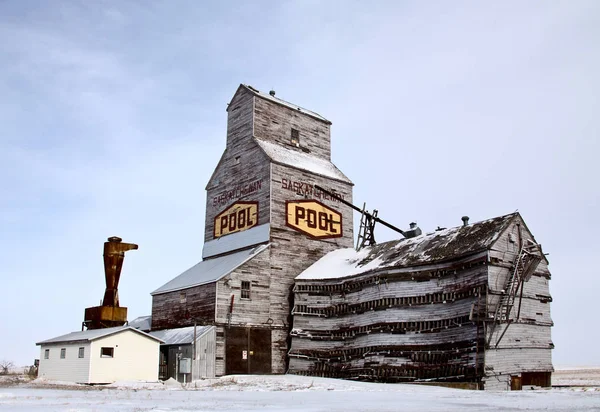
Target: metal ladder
(525, 264)
(366, 233)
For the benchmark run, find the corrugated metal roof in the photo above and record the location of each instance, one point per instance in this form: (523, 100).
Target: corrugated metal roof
(301, 160)
(180, 336)
(143, 323)
(436, 247)
(209, 270)
(235, 241)
(89, 335)
(282, 102)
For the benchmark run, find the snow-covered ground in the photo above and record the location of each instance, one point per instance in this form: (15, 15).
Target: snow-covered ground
(284, 393)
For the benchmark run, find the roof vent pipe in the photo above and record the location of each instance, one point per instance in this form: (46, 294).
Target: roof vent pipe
(413, 231)
(272, 93)
(465, 220)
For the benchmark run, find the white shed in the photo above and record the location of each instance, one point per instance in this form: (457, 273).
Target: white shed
(101, 356)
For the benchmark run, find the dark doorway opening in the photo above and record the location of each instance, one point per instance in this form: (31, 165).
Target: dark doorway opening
(247, 351)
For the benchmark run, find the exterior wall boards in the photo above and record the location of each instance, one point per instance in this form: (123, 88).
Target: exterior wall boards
(250, 188)
(70, 369)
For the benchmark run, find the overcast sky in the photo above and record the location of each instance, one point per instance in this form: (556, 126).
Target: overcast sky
(112, 119)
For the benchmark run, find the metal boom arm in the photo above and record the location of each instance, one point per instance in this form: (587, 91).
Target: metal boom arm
(370, 215)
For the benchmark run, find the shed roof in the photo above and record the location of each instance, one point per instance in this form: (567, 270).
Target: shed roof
(282, 102)
(437, 247)
(180, 336)
(209, 270)
(90, 335)
(293, 157)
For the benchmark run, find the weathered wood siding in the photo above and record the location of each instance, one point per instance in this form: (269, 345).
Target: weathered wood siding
(274, 122)
(392, 327)
(244, 179)
(184, 307)
(246, 173)
(246, 312)
(293, 251)
(243, 171)
(524, 345)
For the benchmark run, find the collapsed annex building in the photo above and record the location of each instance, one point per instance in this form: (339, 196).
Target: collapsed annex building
(283, 289)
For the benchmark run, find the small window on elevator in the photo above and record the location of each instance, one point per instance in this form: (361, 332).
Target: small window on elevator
(245, 289)
(295, 137)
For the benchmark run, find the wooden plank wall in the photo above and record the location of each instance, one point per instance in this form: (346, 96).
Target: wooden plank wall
(244, 179)
(274, 123)
(290, 252)
(393, 328)
(170, 311)
(527, 343)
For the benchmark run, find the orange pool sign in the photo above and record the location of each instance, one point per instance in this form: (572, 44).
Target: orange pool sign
(314, 219)
(236, 218)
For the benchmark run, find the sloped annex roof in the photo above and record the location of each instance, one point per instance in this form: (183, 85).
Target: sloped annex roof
(236, 241)
(431, 248)
(180, 336)
(282, 102)
(300, 160)
(90, 335)
(209, 270)
(143, 323)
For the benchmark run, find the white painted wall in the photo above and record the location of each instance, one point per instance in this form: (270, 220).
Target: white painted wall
(135, 358)
(71, 368)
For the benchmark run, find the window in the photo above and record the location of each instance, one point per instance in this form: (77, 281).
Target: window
(81, 353)
(107, 352)
(237, 160)
(245, 289)
(182, 297)
(63, 353)
(295, 137)
(47, 354)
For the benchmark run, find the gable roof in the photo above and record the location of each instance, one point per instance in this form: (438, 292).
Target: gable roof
(93, 334)
(289, 156)
(209, 270)
(279, 101)
(437, 247)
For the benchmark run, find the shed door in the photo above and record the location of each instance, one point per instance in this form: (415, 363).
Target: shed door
(247, 351)
(516, 383)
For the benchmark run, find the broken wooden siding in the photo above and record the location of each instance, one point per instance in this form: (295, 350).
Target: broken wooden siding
(392, 328)
(429, 321)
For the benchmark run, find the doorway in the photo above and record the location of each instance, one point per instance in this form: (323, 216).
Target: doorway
(247, 351)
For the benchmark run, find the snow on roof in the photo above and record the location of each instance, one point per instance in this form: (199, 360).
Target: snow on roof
(143, 323)
(298, 159)
(235, 241)
(180, 336)
(440, 246)
(209, 270)
(284, 103)
(89, 335)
